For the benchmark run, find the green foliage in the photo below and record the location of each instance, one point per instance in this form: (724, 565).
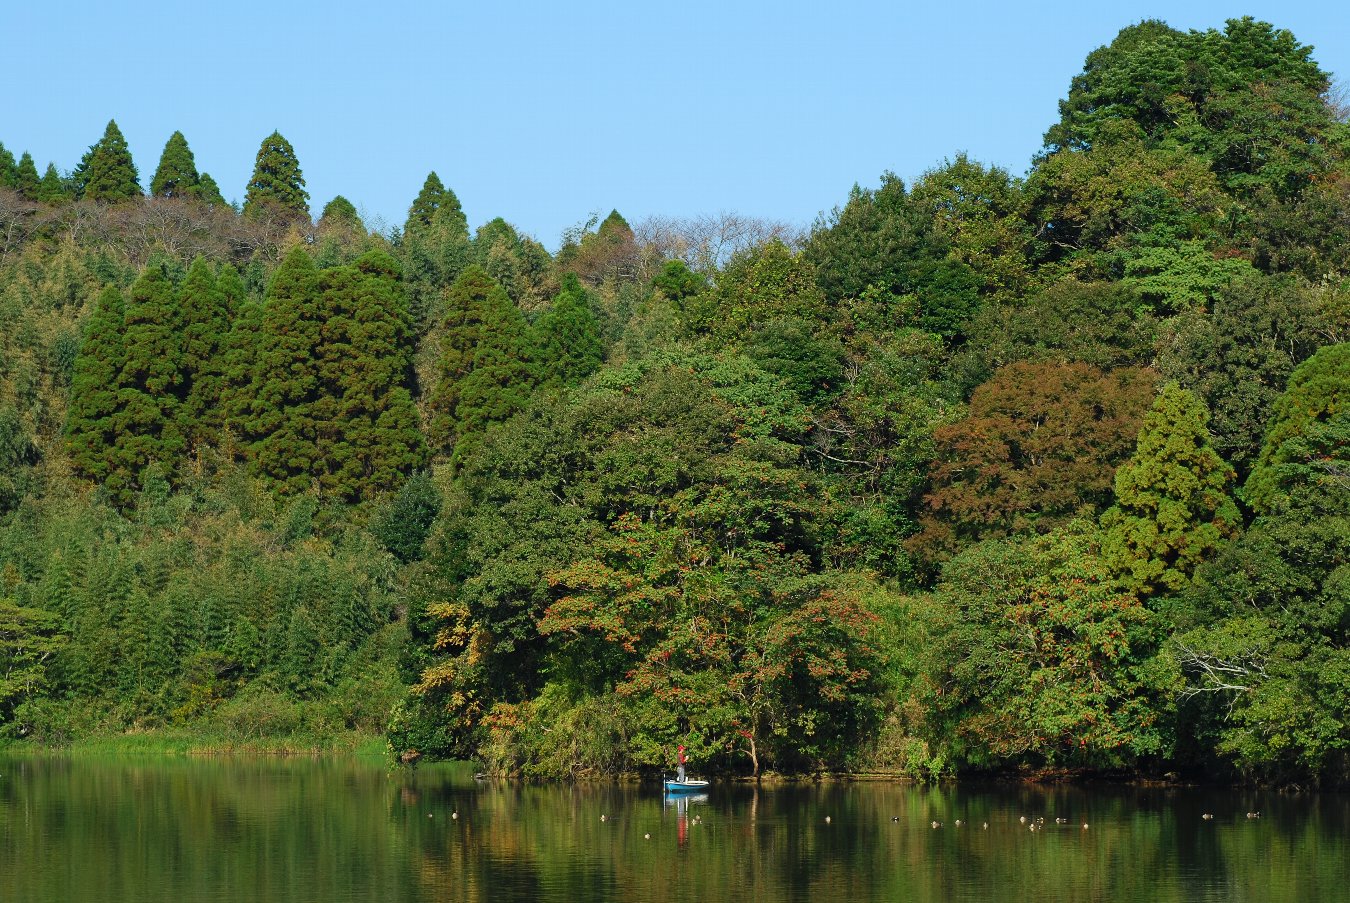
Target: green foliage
(1247, 100)
(1039, 657)
(91, 429)
(8, 168)
(484, 374)
(202, 306)
(29, 638)
(1238, 355)
(176, 176)
(889, 242)
(567, 337)
(26, 181)
(107, 172)
(328, 405)
(340, 213)
(1173, 503)
(277, 187)
(403, 525)
(1267, 664)
(1317, 392)
(52, 189)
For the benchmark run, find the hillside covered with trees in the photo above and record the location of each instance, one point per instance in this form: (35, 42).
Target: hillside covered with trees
(979, 472)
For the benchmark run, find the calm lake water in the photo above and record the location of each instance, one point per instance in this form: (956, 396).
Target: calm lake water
(267, 831)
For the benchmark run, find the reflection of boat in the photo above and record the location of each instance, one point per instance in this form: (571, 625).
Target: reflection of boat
(680, 801)
(690, 786)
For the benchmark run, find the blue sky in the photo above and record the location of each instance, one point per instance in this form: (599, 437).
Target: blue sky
(545, 112)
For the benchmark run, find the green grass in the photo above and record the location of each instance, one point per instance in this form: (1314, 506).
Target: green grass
(177, 743)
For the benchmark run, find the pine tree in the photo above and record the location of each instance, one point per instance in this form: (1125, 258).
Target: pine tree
(26, 181)
(277, 184)
(568, 343)
(177, 175)
(484, 375)
(202, 308)
(52, 189)
(1173, 505)
(107, 172)
(90, 422)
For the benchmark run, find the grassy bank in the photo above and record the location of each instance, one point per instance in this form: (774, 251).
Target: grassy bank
(175, 743)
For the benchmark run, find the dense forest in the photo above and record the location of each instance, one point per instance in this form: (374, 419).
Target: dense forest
(979, 472)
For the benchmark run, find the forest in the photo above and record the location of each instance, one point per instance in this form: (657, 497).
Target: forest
(981, 473)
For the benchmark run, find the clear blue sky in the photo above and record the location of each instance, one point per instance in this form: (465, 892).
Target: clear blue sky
(544, 112)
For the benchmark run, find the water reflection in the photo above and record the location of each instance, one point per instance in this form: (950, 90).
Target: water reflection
(274, 831)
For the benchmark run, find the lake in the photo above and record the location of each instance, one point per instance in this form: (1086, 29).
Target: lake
(327, 830)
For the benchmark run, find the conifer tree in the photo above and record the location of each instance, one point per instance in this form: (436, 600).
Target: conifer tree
(201, 306)
(1319, 390)
(280, 425)
(373, 439)
(238, 359)
(425, 205)
(340, 213)
(177, 175)
(233, 292)
(568, 342)
(8, 168)
(91, 421)
(52, 189)
(26, 181)
(1173, 505)
(484, 374)
(107, 172)
(277, 182)
(208, 192)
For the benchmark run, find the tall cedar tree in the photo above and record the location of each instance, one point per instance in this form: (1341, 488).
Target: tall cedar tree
(329, 404)
(177, 175)
(425, 205)
(152, 380)
(91, 429)
(373, 438)
(279, 425)
(436, 248)
(206, 323)
(568, 343)
(107, 172)
(240, 354)
(483, 375)
(277, 184)
(26, 180)
(1173, 506)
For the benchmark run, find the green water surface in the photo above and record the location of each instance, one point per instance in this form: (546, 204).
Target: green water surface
(263, 831)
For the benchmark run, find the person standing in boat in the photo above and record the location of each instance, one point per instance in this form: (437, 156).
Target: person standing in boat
(680, 759)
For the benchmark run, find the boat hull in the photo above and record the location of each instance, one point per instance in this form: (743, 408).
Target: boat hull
(686, 786)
